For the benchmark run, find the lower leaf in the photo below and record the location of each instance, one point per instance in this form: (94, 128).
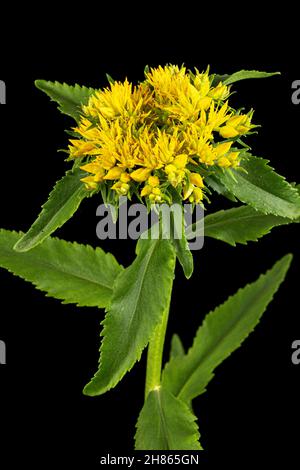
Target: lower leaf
(166, 423)
(141, 294)
(67, 271)
(222, 332)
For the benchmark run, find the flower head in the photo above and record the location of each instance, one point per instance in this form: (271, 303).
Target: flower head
(162, 135)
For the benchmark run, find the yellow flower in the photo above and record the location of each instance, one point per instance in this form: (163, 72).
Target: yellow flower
(158, 151)
(167, 146)
(121, 188)
(90, 182)
(176, 170)
(167, 81)
(79, 148)
(196, 196)
(114, 173)
(111, 102)
(217, 116)
(152, 190)
(87, 130)
(177, 94)
(192, 193)
(155, 195)
(146, 190)
(224, 157)
(187, 191)
(153, 181)
(95, 168)
(222, 149)
(140, 175)
(234, 156)
(161, 133)
(220, 92)
(207, 155)
(202, 82)
(196, 180)
(230, 160)
(125, 178)
(236, 125)
(224, 162)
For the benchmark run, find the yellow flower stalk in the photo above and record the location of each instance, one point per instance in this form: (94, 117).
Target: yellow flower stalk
(167, 133)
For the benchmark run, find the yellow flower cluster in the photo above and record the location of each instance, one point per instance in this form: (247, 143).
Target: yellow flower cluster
(160, 135)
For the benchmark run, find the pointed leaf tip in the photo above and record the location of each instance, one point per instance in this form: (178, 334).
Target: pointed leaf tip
(63, 202)
(70, 98)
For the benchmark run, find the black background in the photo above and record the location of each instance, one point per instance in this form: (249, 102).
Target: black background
(252, 405)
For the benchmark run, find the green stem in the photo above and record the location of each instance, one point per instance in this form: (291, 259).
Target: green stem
(155, 353)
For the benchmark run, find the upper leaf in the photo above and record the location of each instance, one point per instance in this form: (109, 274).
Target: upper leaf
(237, 225)
(70, 98)
(141, 294)
(241, 75)
(217, 78)
(63, 201)
(67, 271)
(217, 186)
(222, 331)
(166, 423)
(262, 188)
(181, 246)
(245, 74)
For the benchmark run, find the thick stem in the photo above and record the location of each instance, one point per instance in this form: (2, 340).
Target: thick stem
(155, 353)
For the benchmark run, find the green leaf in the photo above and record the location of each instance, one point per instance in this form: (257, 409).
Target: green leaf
(166, 423)
(70, 98)
(238, 225)
(177, 348)
(141, 294)
(241, 75)
(217, 186)
(110, 80)
(219, 78)
(222, 331)
(260, 187)
(246, 74)
(67, 271)
(179, 241)
(63, 202)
